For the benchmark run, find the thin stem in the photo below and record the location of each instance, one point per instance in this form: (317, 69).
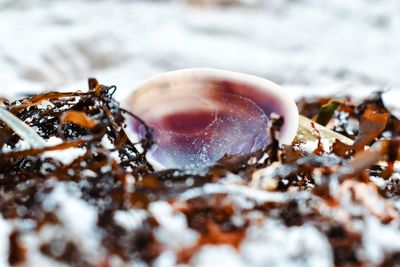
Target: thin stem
(22, 129)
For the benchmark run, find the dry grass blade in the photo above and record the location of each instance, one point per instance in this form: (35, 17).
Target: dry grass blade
(306, 132)
(23, 130)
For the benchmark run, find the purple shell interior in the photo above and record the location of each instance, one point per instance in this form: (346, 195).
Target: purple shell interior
(197, 137)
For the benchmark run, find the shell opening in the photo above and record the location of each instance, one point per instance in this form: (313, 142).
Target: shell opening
(200, 115)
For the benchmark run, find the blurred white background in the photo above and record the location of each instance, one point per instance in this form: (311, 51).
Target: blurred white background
(308, 46)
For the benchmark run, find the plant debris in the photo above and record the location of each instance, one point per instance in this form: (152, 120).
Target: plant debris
(90, 198)
(326, 111)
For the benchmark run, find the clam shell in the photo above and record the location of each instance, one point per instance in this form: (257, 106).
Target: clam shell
(199, 115)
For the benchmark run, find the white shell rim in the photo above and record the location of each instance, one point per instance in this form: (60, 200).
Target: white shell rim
(291, 115)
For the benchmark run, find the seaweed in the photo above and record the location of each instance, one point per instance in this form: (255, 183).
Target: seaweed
(111, 174)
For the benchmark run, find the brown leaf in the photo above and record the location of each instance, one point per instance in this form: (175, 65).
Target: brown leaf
(78, 118)
(214, 235)
(93, 83)
(290, 154)
(311, 107)
(17, 249)
(372, 124)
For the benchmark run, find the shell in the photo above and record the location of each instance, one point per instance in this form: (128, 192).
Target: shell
(199, 115)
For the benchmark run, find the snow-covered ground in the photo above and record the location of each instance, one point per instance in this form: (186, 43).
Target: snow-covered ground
(306, 45)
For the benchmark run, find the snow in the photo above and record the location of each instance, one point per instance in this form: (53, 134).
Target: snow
(273, 244)
(66, 156)
(78, 218)
(173, 230)
(166, 259)
(5, 231)
(238, 192)
(131, 220)
(340, 46)
(380, 239)
(19, 146)
(34, 256)
(218, 256)
(79, 225)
